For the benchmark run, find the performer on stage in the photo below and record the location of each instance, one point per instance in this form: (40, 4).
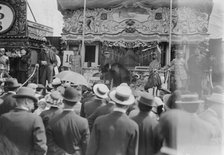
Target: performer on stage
(75, 61)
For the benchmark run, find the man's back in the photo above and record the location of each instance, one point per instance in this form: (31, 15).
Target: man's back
(91, 106)
(114, 134)
(8, 104)
(69, 131)
(146, 126)
(25, 130)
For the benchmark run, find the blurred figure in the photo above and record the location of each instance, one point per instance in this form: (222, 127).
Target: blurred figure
(100, 91)
(23, 128)
(115, 133)
(3, 74)
(182, 131)
(42, 106)
(11, 86)
(67, 130)
(75, 61)
(4, 59)
(146, 125)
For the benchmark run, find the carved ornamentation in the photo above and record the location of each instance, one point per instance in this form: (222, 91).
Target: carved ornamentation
(145, 21)
(19, 27)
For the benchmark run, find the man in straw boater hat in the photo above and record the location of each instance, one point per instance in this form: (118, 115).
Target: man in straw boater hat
(69, 131)
(25, 129)
(146, 124)
(182, 131)
(11, 86)
(100, 90)
(115, 133)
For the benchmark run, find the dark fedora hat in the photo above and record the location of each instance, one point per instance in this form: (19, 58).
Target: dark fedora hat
(71, 95)
(12, 83)
(147, 99)
(26, 92)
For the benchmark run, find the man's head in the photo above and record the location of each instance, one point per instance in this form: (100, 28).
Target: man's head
(71, 96)
(11, 84)
(75, 50)
(2, 51)
(146, 102)
(26, 97)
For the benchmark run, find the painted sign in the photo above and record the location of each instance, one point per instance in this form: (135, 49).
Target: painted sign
(7, 17)
(66, 56)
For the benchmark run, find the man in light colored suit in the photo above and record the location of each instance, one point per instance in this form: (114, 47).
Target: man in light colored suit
(115, 133)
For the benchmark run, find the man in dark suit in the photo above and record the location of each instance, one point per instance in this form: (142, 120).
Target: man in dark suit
(23, 128)
(68, 131)
(100, 91)
(115, 133)
(11, 86)
(146, 125)
(102, 110)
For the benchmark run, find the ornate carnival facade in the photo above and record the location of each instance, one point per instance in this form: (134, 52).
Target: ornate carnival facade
(131, 30)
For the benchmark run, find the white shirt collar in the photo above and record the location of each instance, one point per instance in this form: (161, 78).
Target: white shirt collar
(120, 110)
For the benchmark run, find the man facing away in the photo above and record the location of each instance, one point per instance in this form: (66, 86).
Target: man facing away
(146, 124)
(68, 132)
(23, 128)
(115, 133)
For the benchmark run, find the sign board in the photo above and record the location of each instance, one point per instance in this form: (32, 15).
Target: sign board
(66, 56)
(7, 17)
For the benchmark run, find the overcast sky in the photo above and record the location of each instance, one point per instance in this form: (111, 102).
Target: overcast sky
(46, 13)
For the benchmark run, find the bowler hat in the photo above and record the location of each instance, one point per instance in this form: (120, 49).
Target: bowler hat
(146, 99)
(71, 95)
(100, 90)
(12, 83)
(25, 92)
(122, 95)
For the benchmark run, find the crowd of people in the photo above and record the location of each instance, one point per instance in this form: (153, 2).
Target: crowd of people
(68, 119)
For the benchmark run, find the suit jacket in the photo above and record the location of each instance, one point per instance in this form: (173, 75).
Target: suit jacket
(8, 104)
(68, 131)
(180, 129)
(47, 115)
(102, 110)
(25, 130)
(90, 107)
(114, 134)
(146, 125)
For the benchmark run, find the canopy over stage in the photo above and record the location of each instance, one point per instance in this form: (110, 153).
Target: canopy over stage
(203, 5)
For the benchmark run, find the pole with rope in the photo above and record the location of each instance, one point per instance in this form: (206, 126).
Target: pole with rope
(83, 32)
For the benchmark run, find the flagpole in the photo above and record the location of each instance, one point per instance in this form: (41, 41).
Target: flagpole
(83, 32)
(170, 33)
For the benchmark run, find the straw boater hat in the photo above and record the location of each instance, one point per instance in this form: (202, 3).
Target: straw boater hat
(189, 99)
(32, 85)
(146, 99)
(122, 95)
(101, 90)
(25, 92)
(56, 82)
